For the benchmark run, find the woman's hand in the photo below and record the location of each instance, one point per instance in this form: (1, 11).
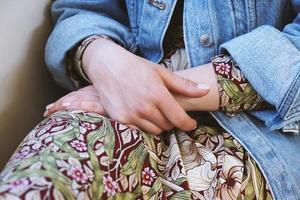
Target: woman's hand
(136, 91)
(86, 99)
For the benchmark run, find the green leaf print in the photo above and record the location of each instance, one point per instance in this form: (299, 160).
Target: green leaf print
(27, 162)
(97, 184)
(182, 195)
(93, 119)
(135, 160)
(231, 89)
(42, 173)
(61, 182)
(75, 125)
(247, 96)
(62, 139)
(149, 141)
(125, 196)
(109, 139)
(92, 138)
(153, 191)
(179, 181)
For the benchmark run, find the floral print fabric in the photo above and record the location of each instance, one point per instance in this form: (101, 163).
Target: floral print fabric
(236, 94)
(79, 155)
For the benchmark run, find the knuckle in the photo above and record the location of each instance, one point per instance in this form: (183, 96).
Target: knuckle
(156, 131)
(155, 97)
(78, 97)
(63, 104)
(181, 121)
(93, 106)
(126, 118)
(145, 110)
(158, 96)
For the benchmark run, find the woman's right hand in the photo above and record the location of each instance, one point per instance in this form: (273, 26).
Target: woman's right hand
(136, 91)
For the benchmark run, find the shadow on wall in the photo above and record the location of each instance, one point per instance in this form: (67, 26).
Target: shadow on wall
(31, 87)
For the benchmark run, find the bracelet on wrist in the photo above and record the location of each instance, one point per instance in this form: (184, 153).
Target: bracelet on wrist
(80, 52)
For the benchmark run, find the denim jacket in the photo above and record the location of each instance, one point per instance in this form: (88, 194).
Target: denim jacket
(263, 36)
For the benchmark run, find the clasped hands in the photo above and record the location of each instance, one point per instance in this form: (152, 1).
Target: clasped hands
(132, 90)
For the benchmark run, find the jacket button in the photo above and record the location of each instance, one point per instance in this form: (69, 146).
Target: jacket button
(228, 114)
(157, 4)
(206, 40)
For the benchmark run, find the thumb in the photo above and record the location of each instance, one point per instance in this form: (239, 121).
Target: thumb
(180, 85)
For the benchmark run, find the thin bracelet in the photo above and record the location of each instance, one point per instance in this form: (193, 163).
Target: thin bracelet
(80, 51)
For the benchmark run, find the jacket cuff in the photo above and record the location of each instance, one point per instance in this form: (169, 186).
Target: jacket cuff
(271, 63)
(69, 32)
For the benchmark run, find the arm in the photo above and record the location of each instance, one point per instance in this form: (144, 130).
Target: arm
(114, 71)
(230, 90)
(270, 59)
(77, 20)
(204, 74)
(219, 97)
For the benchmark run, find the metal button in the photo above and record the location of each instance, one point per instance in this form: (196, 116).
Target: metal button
(229, 114)
(206, 40)
(158, 4)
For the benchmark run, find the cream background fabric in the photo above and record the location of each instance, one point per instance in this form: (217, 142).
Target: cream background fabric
(26, 85)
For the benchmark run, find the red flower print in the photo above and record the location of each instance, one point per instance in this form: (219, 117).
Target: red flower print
(79, 145)
(77, 173)
(223, 68)
(147, 176)
(110, 186)
(86, 126)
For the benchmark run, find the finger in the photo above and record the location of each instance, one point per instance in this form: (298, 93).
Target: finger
(127, 117)
(55, 107)
(65, 101)
(182, 85)
(148, 126)
(88, 106)
(154, 115)
(175, 113)
(83, 93)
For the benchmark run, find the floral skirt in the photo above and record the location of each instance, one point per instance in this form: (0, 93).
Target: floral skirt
(80, 155)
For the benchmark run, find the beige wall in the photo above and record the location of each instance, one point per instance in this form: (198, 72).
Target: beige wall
(25, 84)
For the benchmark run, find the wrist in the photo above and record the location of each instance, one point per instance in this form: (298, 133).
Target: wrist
(202, 74)
(94, 53)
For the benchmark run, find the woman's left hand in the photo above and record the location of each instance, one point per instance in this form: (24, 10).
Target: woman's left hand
(86, 99)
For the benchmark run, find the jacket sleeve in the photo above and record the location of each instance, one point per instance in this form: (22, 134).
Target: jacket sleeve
(270, 60)
(77, 20)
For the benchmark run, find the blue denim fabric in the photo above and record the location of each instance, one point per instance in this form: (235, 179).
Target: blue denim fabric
(259, 34)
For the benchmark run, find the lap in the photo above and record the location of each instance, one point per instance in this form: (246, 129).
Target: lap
(79, 155)
(75, 155)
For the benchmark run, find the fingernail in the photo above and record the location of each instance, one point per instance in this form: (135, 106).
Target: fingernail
(66, 104)
(48, 107)
(46, 113)
(196, 126)
(203, 86)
